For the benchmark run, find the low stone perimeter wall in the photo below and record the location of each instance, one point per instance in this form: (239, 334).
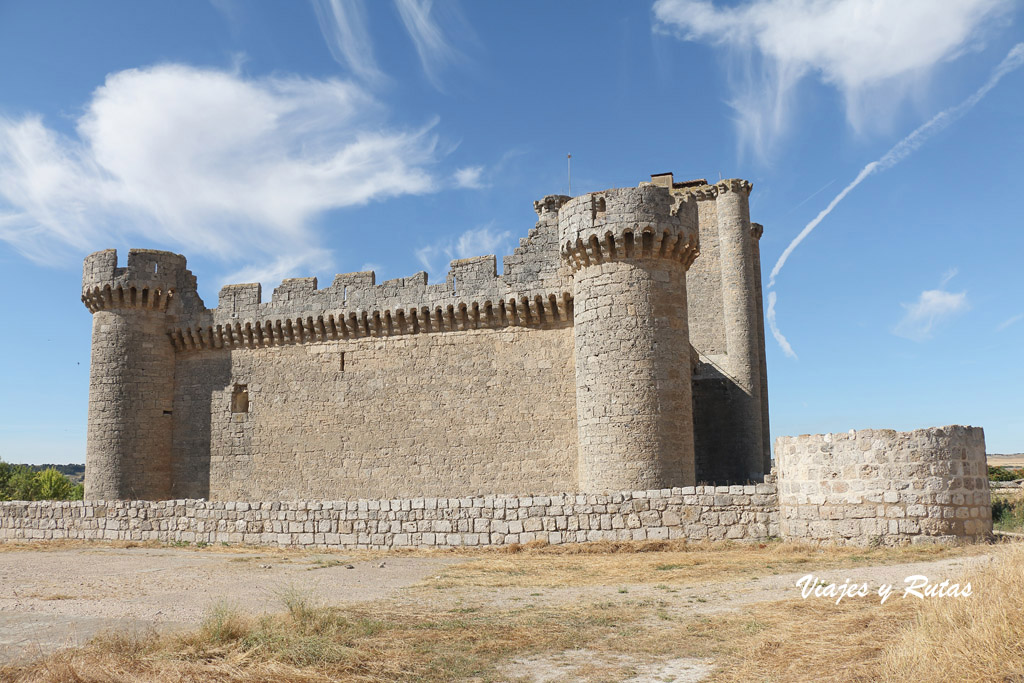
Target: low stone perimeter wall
(695, 513)
(883, 486)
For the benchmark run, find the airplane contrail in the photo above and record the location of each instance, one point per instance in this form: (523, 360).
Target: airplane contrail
(776, 332)
(907, 146)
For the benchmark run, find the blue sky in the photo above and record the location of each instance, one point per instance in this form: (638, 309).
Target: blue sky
(271, 140)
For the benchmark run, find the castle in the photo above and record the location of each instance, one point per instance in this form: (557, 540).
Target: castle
(610, 384)
(607, 356)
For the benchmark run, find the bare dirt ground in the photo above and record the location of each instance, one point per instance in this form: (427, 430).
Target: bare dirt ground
(58, 598)
(61, 596)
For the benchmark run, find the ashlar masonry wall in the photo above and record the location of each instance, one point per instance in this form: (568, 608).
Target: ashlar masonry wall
(883, 486)
(482, 411)
(695, 513)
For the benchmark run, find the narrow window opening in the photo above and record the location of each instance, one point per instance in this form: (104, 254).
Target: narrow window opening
(240, 399)
(343, 361)
(156, 267)
(167, 412)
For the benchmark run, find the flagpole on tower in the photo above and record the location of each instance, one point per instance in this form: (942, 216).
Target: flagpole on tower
(568, 162)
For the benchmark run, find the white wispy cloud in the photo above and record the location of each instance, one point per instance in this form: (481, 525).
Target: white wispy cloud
(933, 307)
(1013, 319)
(473, 242)
(773, 326)
(907, 146)
(205, 161)
(343, 25)
(434, 49)
(300, 263)
(871, 51)
(470, 177)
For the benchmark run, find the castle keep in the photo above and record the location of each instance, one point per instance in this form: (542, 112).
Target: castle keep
(621, 349)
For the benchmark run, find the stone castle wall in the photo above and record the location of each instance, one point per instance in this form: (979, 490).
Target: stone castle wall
(572, 370)
(694, 513)
(879, 485)
(478, 411)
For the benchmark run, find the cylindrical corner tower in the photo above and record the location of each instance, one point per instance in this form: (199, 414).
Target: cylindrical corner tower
(131, 378)
(740, 291)
(630, 249)
(756, 231)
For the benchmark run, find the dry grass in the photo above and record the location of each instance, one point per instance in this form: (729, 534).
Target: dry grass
(980, 638)
(360, 644)
(668, 562)
(1016, 460)
(54, 545)
(973, 639)
(808, 641)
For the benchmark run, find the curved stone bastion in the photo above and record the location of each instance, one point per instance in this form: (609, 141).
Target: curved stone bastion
(883, 486)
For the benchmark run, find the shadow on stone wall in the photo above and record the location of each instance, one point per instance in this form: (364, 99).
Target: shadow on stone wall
(194, 407)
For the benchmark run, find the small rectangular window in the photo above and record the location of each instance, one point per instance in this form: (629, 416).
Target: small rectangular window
(343, 361)
(240, 399)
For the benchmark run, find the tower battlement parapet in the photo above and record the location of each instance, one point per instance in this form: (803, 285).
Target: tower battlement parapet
(633, 222)
(151, 280)
(550, 204)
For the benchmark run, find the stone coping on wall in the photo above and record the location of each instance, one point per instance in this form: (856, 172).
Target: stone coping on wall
(748, 513)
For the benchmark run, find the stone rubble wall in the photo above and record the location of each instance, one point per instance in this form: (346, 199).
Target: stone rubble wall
(884, 486)
(699, 513)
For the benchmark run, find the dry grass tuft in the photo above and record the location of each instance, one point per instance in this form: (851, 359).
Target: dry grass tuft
(980, 638)
(354, 644)
(808, 641)
(972, 639)
(65, 544)
(666, 562)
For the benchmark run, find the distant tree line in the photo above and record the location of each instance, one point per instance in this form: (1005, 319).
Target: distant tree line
(74, 472)
(26, 482)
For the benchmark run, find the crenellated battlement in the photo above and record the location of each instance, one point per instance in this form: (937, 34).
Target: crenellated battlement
(534, 290)
(455, 314)
(702, 191)
(636, 222)
(472, 296)
(151, 280)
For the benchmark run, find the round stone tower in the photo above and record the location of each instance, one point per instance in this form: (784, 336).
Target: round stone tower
(131, 379)
(629, 250)
(741, 292)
